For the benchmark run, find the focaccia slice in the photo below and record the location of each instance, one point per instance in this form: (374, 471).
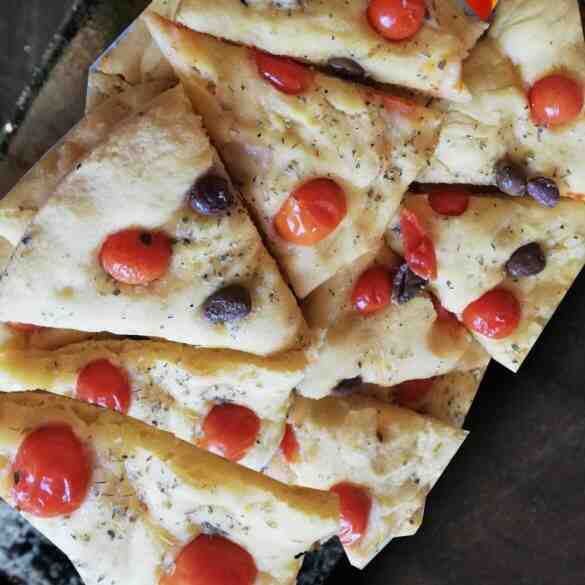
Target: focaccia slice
(141, 177)
(394, 455)
(472, 251)
(21, 204)
(447, 398)
(370, 145)
(318, 31)
(172, 387)
(396, 344)
(528, 40)
(150, 494)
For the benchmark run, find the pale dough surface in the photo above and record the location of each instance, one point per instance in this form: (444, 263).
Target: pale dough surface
(317, 30)
(398, 343)
(173, 386)
(472, 250)
(448, 400)
(396, 454)
(528, 40)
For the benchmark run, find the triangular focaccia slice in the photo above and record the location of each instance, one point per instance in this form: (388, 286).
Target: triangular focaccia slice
(528, 40)
(21, 204)
(187, 391)
(393, 455)
(447, 398)
(149, 495)
(220, 288)
(318, 31)
(393, 345)
(472, 251)
(273, 143)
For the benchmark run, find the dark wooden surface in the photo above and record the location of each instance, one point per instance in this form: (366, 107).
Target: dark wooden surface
(26, 28)
(510, 509)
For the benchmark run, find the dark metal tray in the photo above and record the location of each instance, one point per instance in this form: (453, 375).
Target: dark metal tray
(509, 509)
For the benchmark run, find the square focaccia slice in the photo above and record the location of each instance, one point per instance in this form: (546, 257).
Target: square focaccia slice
(503, 264)
(147, 236)
(415, 43)
(131, 504)
(526, 118)
(323, 170)
(364, 334)
(231, 403)
(380, 459)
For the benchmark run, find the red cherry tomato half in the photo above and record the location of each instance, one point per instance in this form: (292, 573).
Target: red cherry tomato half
(101, 382)
(230, 430)
(355, 504)
(555, 100)
(51, 471)
(289, 445)
(136, 256)
(450, 202)
(283, 73)
(212, 560)
(311, 212)
(396, 20)
(373, 290)
(419, 250)
(483, 8)
(443, 314)
(496, 314)
(24, 327)
(412, 391)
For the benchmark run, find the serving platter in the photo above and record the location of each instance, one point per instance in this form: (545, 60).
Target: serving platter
(509, 507)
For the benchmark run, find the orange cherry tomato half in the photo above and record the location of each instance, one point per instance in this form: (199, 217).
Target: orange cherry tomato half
(412, 391)
(51, 471)
(311, 212)
(419, 250)
(443, 314)
(394, 103)
(373, 290)
(496, 314)
(230, 430)
(283, 73)
(24, 327)
(483, 8)
(212, 560)
(102, 383)
(396, 20)
(289, 445)
(354, 504)
(450, 202)
(555, 100)
(136, 256)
